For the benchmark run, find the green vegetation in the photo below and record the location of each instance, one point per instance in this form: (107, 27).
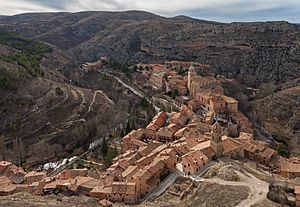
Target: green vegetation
(128, 128)
(281, 149)
(4, 82)
(111, 154)
(127, 68)
(181, 72)
(58, 91)
(105, 77)
(104, 147)
(13, 127)
(173, 93)
(144, 103)
(7, 79)
(30, 51)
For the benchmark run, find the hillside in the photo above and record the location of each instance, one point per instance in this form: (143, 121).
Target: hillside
(51, 116)
(251, 52)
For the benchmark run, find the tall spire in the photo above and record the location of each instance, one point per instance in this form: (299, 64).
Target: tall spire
(217, 132)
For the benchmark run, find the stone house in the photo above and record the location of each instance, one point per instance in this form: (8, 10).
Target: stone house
(290, 170)
(177, 84)
(7, 190)
(164, 135)
(72, 173)
(286, 167)
(178, 118)
(193, 161)
(130, 171)
(180, 148)
(232, 148)
(198, 84)
(158, 121)
(157, 80)
(258, 152)
(244, 124)
(83, 185)
(11, 171)
(217, 103)
(34, 177)
(174, 127)
(133, 140)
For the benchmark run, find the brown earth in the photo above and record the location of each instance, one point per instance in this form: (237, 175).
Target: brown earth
(28, 200)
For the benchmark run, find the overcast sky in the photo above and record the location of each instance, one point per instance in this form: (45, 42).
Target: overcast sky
(218, 10)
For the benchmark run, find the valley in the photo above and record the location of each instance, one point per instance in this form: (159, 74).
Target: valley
(133, 108)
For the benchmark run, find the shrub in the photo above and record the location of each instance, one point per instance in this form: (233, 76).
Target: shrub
(281, 150)
(4, 82)
(58, 91)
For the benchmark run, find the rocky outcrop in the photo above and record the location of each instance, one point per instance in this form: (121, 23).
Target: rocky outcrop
(281, 194)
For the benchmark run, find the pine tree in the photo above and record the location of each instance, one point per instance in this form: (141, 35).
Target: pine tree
(104, 147)
(115, 152)
(122, 133)
(128, 128)
(108, 158)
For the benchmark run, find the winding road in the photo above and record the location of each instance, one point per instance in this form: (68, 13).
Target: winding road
(133, 90)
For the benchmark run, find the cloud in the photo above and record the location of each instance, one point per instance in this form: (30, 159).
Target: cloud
(219, 10)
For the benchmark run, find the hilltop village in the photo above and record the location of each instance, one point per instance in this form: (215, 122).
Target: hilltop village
(207, 126)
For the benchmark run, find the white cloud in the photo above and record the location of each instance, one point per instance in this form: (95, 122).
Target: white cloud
(11, 7)
(226, 9)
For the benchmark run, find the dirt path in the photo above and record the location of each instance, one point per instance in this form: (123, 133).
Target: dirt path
(94, 99)
(258, 188)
